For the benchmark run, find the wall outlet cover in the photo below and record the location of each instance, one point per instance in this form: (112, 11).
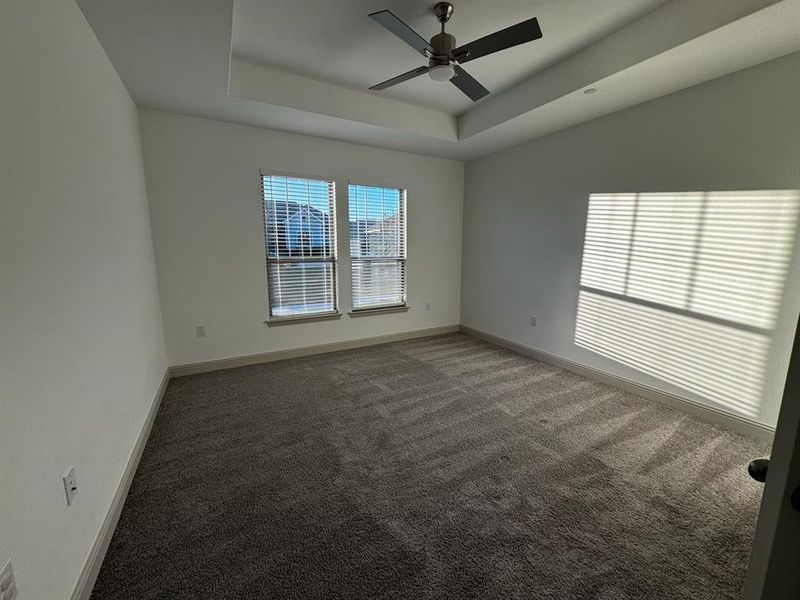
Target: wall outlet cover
(70, 485)
(533, 320)
(200, 331)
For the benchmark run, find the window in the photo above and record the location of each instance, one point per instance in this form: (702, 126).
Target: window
(377, 226)
(300, 238)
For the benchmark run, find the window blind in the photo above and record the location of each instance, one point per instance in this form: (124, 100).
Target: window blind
(377, 224)
(300, 240)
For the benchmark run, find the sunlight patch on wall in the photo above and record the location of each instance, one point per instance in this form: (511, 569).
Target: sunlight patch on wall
(687, 286)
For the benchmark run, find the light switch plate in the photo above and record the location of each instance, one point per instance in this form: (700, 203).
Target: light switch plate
(8, 587)
(70, 485)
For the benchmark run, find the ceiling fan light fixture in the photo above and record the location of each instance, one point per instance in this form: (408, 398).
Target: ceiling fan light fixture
(442, 72)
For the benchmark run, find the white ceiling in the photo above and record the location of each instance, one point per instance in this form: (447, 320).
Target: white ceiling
(337, 42)
(186, 56)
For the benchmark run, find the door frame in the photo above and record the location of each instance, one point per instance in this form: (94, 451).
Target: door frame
(774, 572)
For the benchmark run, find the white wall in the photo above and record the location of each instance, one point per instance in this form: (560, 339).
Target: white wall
(82, 343)
(205, 201)
(525, 208)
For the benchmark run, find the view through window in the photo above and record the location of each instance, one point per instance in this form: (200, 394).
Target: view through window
(687, 286)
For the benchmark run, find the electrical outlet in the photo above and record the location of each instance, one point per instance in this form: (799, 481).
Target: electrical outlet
(200, 331)
(427, 306)
(70, 485)
(533, 320)
(8, 587)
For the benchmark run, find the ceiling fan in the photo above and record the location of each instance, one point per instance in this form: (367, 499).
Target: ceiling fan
(444, 58)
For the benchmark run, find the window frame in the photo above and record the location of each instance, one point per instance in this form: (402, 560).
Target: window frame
(333, 259)
(403, 209)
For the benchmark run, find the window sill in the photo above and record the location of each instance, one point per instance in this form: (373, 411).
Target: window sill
(302, 319)
(364, 312)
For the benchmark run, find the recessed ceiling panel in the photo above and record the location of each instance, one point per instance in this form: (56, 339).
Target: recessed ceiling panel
(337, 42)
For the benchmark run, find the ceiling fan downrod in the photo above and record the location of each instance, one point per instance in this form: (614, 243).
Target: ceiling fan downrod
(442, 65)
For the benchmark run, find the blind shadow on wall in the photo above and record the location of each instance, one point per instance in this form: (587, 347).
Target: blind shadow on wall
(687, 286)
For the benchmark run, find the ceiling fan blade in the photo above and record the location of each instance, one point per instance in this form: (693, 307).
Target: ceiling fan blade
(401, 78)
(388, 19)
(468, 84)
(527, 31)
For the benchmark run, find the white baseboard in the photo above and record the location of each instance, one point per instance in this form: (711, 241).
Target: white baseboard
(254, 359)
(717, 416)
(88, 576)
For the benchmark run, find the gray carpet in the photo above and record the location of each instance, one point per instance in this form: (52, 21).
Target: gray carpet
(443, 467)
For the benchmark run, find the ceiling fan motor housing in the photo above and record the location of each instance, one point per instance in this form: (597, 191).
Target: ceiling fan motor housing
(443, 45)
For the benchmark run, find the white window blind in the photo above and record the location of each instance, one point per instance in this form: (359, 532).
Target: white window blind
(377, 223)
(300, 239)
